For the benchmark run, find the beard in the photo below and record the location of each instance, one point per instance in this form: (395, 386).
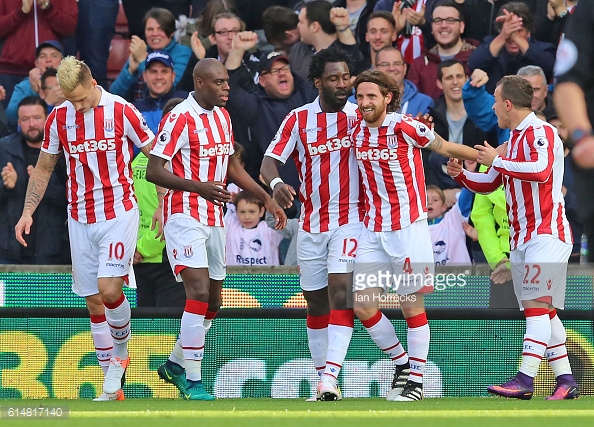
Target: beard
(33, 137)
(331, 98)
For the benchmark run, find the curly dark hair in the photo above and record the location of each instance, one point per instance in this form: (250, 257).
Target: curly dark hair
(386, 84)
(327, 56)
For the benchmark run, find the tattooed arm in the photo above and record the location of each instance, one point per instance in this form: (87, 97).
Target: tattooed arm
(35, 190)
(451, 149)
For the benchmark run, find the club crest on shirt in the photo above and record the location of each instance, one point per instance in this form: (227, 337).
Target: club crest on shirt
(422, 129)
(108, 125)
(164, 137)
(392, 141)
(351, 121)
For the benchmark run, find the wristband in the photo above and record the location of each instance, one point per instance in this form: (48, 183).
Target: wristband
(578, 135)
(342, 30)
(563, 14)
(275, 181)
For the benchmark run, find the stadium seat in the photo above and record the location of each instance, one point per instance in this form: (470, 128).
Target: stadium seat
(119, 51)
(121, 28)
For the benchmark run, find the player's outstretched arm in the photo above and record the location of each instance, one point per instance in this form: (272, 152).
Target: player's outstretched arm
(213, 191)
(35, 190)
(237, 174)
(450, 149)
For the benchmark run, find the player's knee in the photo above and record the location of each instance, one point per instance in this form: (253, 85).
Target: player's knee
(364, 313)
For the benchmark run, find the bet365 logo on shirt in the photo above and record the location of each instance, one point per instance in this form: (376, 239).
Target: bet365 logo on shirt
(92, 145)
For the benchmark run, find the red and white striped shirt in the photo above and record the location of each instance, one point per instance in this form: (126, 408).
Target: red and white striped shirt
(389, 158)
(99, 153)
(412, 46)
(197, 143)
(532, 176)
(321, 148)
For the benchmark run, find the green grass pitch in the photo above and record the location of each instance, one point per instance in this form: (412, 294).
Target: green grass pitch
(475, 412)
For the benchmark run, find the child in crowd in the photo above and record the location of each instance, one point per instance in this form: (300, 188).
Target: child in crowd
(249, 240)
(447, 231)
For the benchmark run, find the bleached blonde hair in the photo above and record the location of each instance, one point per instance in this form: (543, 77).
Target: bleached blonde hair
(73, 72)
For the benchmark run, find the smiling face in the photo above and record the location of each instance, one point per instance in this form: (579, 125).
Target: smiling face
(452, 80)
(540, 88)
(391, 62)
(436, 206)
(446, 34)
(249, 214)
(224, 31)
(155, 36)
(372, 103)
(380, 34)
(159, 79)
(334, 86)
(278, 82)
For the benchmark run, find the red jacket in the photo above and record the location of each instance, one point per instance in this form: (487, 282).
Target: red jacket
(17, 30)
(423, 71)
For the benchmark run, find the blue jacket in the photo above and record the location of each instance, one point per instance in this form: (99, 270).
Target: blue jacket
(505, 64)
(478, 103)
(417, 101)
(20, 91)
(125, 81)
(49, 217)
(152, 108)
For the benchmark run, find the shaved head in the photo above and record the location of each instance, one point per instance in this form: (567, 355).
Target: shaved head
(206, 67)
(211, 83)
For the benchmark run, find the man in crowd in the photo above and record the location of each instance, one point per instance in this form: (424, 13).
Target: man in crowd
(18, 156)
(48, 55)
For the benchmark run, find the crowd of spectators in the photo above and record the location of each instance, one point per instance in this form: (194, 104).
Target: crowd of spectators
(446, 56)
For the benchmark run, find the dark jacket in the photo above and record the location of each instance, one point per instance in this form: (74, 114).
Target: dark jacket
(260, 116)
(49, 217)
(471, 136)
(250, 62)
(504, 64)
